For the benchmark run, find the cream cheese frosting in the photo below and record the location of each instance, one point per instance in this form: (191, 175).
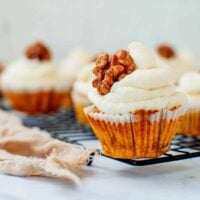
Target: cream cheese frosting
(71, 66)
(83, 83)
(149, 87)
(183, 61)
(32, 75)
(190, 84)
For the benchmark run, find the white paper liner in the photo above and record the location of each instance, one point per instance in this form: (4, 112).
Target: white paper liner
(113, 118)
(169, 114)
(131, 117)
(191, 122)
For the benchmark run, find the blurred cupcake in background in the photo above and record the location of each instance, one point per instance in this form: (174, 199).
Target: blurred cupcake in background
(136, 109)
(1, 71)
(1, 67)
(80, 91)
(69, 68)
(32, 84)
(190, 84)
(180, 60)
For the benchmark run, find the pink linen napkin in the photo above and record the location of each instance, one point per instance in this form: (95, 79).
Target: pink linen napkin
(33, 152)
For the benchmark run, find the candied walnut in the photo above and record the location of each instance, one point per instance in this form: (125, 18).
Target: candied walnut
(108, 80)
(112, 68)
(95, 83)
(102, 60)
(121, 76)
(103, 88)
(115, 71)
(100, 75)
(125, 58)
(130, 69)
(38, 51)
(166, 51)
(97, 70)
(114, 60)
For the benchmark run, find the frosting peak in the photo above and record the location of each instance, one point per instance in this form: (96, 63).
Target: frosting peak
(190, 83)
(142, 56)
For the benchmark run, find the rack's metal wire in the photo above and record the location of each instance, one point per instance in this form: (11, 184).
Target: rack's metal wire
(65, 127)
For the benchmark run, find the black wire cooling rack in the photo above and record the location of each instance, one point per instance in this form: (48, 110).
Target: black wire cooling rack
(64, 126)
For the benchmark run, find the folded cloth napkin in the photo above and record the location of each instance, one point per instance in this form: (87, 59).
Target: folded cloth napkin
(32, 152)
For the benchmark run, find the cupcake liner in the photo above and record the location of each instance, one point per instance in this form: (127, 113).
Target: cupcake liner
(36, 103)
(66, 99)
(191, 122)
(80, 115)
(144, 134)
(79, 103)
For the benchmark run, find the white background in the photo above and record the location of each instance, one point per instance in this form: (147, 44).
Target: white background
(97, 24)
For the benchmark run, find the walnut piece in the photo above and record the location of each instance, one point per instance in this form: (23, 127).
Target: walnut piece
(166, 51)
(38, 51)
(110, 69)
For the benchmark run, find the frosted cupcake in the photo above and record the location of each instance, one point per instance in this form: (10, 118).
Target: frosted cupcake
(80, 90)
(32, 84)
(1, 71)
(71, 66)
(137, 109)
(181, 61)
(190, 84)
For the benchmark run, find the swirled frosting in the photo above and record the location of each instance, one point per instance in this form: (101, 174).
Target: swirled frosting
(182, 62)
(84, 79)
(71, 66)
(149, 87)
(190, 84)
(32, 75)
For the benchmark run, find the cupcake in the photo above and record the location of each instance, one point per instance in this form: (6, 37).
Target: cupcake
(190, 84)
(137, 109)
(71, 66)
(180, 60)
(80, 92)
(32, 84)
(1, 71)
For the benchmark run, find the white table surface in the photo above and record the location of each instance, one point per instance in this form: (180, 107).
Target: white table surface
(110, 179)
